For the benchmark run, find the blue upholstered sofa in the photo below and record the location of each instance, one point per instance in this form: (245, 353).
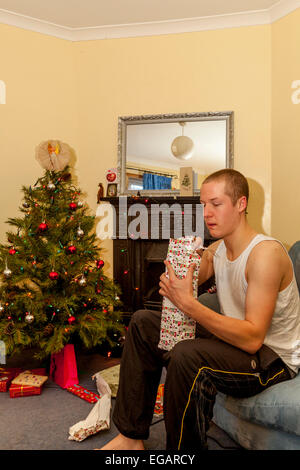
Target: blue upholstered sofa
(271, 419)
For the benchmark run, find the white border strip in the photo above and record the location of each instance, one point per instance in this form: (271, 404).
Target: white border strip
(187, 25)
(283, 8)
(38, 26)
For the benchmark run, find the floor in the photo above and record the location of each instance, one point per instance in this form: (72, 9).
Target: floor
(42, 422)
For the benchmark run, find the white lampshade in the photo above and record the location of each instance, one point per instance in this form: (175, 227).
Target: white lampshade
(182, 147)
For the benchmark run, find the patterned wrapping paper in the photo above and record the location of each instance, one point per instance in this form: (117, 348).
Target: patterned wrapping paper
(159, 403)
(23, 391)
(7, 374)
(16, 391)
(28, 378)
(175, 325)
(83, 393)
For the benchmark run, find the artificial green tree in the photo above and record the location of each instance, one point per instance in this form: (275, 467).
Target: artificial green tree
(53, 289)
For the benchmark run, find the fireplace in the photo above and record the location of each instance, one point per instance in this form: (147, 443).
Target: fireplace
(139, 263)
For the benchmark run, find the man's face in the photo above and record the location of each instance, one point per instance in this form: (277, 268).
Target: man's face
(220, 215)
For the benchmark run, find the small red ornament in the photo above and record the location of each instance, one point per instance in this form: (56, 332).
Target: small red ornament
(53, 275)
(73, 206)
(99, 263)
(71, 249)
(71, 320)
(12, 251)
(43, 227)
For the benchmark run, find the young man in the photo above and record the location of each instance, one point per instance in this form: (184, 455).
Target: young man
(250, 346)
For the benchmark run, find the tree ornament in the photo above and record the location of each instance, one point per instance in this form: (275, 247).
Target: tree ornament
(43, 227)
(53, 275)
(7, 272)
(80, 232)
(71, 320)
(82, 281)
(53, 155)
(25, 205)
(99, 263)
(51, 186)
(12, 251)
(80, 204)
(29, 317)
(1, 308)
(73, 206)
(71, 249)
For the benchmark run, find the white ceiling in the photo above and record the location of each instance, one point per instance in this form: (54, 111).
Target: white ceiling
(117, 18)
(91, 13)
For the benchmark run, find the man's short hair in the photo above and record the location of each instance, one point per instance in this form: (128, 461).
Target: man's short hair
(236, 184)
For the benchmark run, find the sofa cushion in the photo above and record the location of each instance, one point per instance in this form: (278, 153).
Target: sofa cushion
(277, 407)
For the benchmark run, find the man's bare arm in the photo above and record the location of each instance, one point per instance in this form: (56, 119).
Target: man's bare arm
(207, 264)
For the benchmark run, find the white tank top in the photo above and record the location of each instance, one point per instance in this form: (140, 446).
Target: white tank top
(283, 335)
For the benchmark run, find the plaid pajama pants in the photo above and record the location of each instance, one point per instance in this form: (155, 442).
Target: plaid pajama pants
(196, 370)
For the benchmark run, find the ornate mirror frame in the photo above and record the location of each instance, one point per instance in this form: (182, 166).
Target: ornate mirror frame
(125, 121)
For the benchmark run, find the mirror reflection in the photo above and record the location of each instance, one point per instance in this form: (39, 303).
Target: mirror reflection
(152, 149)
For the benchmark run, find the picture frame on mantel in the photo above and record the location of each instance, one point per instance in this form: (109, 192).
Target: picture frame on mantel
(111, 190)
(186, 181)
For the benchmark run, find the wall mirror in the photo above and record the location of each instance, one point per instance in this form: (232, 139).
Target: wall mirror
(153, 148)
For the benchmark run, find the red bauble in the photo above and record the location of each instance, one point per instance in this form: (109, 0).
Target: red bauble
(73, 206)
(43, 227)
(71, 249)
(99, 263)
(12, 251)
(71, 320)
(53, 275)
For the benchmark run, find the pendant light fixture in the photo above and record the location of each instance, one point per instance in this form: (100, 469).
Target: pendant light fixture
(182, 146)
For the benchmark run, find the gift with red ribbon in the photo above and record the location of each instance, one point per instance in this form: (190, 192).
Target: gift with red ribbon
(16, 390)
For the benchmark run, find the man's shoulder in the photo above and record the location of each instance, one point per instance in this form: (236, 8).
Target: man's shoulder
(268, 256)
(268, 247)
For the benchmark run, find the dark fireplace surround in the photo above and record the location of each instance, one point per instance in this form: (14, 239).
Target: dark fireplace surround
(139, 263)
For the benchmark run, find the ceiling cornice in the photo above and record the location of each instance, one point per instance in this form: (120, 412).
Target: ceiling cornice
(187, 25)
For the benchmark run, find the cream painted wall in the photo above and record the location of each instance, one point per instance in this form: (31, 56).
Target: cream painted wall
(41, 104)
(76, 91)
(285, 129)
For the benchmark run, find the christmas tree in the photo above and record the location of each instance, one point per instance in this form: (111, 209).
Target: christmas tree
(53, 290)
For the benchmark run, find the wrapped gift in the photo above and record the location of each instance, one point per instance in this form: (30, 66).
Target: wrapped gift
(111, 375)
(158, 408)
(19, 390)
(175, 325)
(29, 378)
(23, 391)
(7, 374)
(84, 393)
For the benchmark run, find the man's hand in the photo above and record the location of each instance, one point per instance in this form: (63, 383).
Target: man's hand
(178, 291)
